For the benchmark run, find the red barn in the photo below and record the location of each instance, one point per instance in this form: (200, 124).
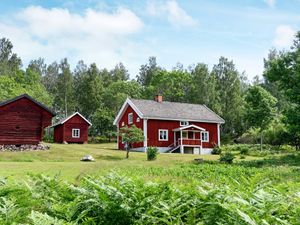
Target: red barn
(23, 120)
(73, 129)
(171, 126)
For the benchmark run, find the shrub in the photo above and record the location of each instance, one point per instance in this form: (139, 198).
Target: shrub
(244, 150)
(152, 153)
(227, 157)
(216, 150)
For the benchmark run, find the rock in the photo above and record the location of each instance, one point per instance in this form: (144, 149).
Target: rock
(87, 158)
(21, 148)
(199, 160)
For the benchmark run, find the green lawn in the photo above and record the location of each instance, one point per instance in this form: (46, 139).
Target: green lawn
(64, 160)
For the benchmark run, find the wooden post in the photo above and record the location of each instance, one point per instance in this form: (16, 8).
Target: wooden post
(174, 138)
(181, 146)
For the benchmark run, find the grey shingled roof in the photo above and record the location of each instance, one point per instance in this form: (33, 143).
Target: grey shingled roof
(176, 110)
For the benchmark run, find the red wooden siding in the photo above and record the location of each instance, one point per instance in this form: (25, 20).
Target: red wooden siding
(23, 122)
(124, 121)
(155, 125)
(63, 132)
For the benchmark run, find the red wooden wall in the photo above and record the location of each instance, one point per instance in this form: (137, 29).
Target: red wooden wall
(124, 122)
(64, 132)
(23, 122)
(155, 125)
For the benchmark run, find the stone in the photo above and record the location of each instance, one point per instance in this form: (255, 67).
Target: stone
(199, 160)
(87, 158)
(21, 148)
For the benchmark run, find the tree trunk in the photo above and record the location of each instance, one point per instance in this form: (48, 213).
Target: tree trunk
(261, 141)
(127, 150)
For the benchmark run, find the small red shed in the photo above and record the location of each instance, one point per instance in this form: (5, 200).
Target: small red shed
(23, 120)
(73, 129)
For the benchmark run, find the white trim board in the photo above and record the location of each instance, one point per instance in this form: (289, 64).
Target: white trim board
(69, 117)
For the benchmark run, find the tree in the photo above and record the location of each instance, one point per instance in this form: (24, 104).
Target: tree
(260, 111)
(283, 69)
(131, 135)
(147, 72)
(10, 63)
(119, 73)
(173, 85)
(65, 94)
(203, 87)
(89, 90)
(230, 97)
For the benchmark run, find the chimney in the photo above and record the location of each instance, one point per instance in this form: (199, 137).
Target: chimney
(158, 98)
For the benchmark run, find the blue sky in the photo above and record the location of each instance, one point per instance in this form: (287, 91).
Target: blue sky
(108, 32)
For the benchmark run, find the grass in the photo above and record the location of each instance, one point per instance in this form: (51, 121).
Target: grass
(173, 189)
(64, 160)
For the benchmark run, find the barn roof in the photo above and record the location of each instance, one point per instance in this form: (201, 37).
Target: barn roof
(62, 121)
(166, 110)
(31, 99)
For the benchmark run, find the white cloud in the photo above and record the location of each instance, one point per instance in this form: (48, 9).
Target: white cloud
(95, 36)
(176, 15)
(270, 3)
(284, 36)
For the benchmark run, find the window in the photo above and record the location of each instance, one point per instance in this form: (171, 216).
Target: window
(130, 118)
(75, 133)
(184, 123)
(184, 135)
(162, 135)
(138, 120)
(205, 136)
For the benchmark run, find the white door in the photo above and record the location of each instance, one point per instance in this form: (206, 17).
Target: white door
(196, 151)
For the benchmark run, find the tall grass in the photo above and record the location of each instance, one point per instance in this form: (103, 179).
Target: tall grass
(115, 199)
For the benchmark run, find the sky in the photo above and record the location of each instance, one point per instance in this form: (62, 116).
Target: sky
(189, 32)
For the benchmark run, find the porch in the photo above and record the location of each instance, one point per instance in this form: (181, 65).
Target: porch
(187, 139)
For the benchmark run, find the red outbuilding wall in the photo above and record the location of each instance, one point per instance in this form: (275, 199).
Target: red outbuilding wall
(63, 132)
(22, 122)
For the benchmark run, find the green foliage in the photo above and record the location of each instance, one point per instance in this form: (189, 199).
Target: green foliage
(227, 157)
(260, 107)
(114, 199)
(216, 150)
(131, 135)
(152, 153)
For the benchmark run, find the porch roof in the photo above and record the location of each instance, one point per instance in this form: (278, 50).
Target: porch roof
(188, 127)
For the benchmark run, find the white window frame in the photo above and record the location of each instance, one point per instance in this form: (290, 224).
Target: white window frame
(207, 135)
(184, 123)
(167, 134)
(75, 133)
(130, 118)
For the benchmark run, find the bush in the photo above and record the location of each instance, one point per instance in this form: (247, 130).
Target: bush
(244, 150)
(152, 153)
(227, 157)
(216, 150)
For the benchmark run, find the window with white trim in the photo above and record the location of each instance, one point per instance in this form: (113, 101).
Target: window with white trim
(75, 133)
(130, 118)
(162, 135)
(184, 135)
(205, 136)
(184, 123)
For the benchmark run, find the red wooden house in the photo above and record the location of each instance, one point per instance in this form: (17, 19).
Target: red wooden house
(171, 126)
(23, 120)
(73, 129)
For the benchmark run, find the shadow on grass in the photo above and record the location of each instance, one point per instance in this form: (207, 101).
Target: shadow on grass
(109, 157)
(286, 160)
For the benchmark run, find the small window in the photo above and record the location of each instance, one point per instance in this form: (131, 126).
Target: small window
(162, 135)
(130, 118)
(75, 133)
(184, 123)
(123, 124)
(205, 136)
(138, 120)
